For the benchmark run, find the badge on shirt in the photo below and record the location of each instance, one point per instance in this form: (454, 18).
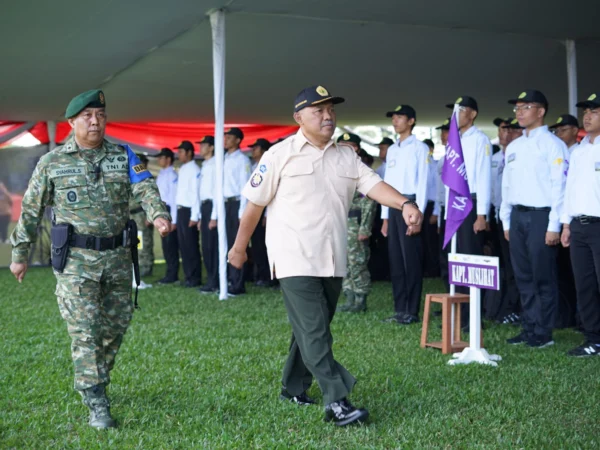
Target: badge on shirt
(487, 149)
(558, 161)
(511, 157)
(494, 164)
(262, 168)
(597, 166)
(392, 163)
(256, 180)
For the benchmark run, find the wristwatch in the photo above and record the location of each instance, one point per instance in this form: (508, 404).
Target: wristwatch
(409, 202)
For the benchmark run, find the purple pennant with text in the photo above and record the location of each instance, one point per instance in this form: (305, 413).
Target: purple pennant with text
(454, 175)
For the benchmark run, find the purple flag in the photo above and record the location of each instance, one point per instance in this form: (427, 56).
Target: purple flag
(454, 175)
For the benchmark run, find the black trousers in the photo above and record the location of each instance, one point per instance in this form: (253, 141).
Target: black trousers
(534, 264)
(232, 223)
(585, 258)
(509, 299)
(188, 246)
(444, 251)
(379, 263)
(210, 246)
(259, 252)
(170, 248)
(431, 257)
(406, 265)
(4, 221)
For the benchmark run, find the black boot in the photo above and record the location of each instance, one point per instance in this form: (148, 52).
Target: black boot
(342, 413)
(96, 400)
(360, 304)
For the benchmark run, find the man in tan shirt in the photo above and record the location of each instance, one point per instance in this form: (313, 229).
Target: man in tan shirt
(308, 182)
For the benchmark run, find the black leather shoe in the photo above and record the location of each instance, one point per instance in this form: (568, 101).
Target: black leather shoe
(264, 283)
(343, 413)
(235, 293)
(208, 290)
(408, 319)
(191, 284)
(302, 399)
(396, 318)
(167, 281)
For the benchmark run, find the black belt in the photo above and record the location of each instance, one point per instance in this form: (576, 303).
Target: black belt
(584, 220)
(183, 207)
(232, 199)
(206, 201)
(531, 208)
(99, 243)
(136, 210)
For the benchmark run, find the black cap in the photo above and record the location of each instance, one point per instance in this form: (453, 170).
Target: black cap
(530, 96)
(429, 143)
(314, 95)
(499, 121)
(514, 125)
(403, 110)
(592, 102)
(466, 101)
(566, 119)
(445, 125)
(350, 137)
(210, 140)
(165, 152)
(236, 132)
(262, 143)
(386, 141)
(143, 158)
(186, 145)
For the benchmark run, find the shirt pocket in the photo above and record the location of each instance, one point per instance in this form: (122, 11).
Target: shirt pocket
(345, 180)
(298, 180)
(117, 186)
(71, 192)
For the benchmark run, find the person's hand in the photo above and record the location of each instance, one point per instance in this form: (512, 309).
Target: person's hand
(552, 238)
(384, 227)
(565, 238)
(363, 237)
(413, 230)
(480, 224)
(212, 224)
(506, 236)
(163, 226)
(193, 223)
(412, 215)
(433, 219)
(237, 258)
(19, 270)
(148, 224)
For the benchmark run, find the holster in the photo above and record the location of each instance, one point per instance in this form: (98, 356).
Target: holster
(60, 237)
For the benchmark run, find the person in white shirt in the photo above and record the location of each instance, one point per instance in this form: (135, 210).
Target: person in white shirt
(431, 257)
(407, 172)
(477, 151)
(208, 216)
(507, 307)
(581, 226)
(441, 207)
(262, 272)
(533, 184)
(384, 145)
(167, 186)
(188, 214)
(236, 172)
(566, 129)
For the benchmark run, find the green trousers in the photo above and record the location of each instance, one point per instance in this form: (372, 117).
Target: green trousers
(310, 304)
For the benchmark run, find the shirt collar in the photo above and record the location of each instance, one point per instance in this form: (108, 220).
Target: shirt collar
(408, 141)
(535, 132)
(469, 132)
(232, 154)
(300, 141)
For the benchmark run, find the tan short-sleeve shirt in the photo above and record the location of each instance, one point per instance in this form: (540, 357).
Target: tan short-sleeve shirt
(308, 192)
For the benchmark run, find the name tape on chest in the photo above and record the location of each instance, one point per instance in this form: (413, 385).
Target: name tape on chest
(67, 172)
(511, 157)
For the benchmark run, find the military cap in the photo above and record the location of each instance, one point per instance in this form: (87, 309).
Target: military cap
(89, 99)
(403, 110)
(314, 95)
(514, 125)
(236, 132)
(445, 125)
(166, 152)
(185, 145)
(592, 102)
(350, 137)
(210, 140)
(565, 119)
(386, 141)
(499, 121)
(262, 143)
(530, 96)
(466, 101)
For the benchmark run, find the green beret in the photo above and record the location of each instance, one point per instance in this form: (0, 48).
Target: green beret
(89, 99)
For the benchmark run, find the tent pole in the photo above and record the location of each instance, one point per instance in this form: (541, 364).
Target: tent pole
(217, 23)
(572, 76)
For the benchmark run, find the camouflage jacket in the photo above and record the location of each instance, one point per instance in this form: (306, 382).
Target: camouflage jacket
(93, 195)
(367, 212)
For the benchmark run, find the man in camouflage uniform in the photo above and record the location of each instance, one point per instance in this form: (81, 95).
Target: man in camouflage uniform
(145, 232)
(88, 182)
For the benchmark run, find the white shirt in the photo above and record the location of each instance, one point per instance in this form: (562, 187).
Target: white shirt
(440, 186)
(582, 193)
(477, 153)
(381, 170)
(236, 172)
(534, 175)
(166, 181)
(431, 179)
(188, 189)
(497, 170)
(571, 148)
(207, 185)
(407, 170)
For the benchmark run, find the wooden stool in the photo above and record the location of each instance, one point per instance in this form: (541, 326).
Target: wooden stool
(449, 303)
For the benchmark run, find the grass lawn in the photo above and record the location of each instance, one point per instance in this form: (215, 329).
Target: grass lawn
(198, 373)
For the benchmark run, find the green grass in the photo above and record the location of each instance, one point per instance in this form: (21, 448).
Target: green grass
(198, 373)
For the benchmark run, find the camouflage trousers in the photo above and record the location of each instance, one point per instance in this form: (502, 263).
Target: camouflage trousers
(146, 253)
(94, 298)
(358, 277)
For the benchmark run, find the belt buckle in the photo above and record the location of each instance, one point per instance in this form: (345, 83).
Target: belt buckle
(584, 220)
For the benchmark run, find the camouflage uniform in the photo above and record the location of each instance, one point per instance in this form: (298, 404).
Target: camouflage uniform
(146, 235)
(90, 189)
(357, 283)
